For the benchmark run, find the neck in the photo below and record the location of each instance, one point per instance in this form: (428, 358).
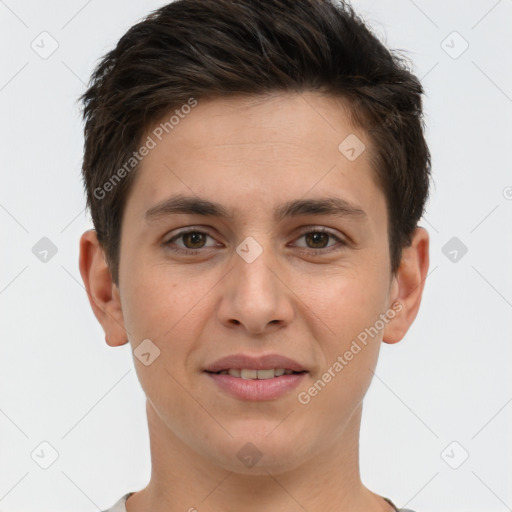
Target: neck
(183, 480)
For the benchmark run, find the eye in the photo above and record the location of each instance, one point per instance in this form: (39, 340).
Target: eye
(193, 240)
(317, 241)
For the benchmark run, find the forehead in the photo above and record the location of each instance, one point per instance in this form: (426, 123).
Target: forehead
(266, 124)
(266, 150)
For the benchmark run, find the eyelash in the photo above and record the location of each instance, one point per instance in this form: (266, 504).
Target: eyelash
(341, 243)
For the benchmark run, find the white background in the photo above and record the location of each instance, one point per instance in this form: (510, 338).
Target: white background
(448, 380)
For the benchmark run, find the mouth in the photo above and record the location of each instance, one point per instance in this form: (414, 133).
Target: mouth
(249, 384)
(261, 377)
(253, 374)
(250, 366)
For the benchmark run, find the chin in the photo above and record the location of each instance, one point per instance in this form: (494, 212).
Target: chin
(260, 454)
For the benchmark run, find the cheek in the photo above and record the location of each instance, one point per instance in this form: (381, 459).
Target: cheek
(158, 297)
(343, 314)
(346, 302)
(348, 306)
(169, 308)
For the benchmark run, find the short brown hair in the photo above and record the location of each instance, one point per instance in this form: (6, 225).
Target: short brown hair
(213, 48)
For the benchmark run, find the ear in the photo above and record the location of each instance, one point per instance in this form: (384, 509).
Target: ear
(102, 292)
(407, 287)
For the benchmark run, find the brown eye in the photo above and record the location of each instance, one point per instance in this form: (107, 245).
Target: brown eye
(194, 239)
(317, 242)
(192, 242)
(318, 239)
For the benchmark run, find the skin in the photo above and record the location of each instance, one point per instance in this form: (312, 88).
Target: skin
(251, 155)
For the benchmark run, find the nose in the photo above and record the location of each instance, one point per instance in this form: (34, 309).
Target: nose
(255, 296)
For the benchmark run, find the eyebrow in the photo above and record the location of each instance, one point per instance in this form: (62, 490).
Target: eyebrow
(191, 205)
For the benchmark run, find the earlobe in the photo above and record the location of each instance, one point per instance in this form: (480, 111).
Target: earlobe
(408, 290)
(101, 290)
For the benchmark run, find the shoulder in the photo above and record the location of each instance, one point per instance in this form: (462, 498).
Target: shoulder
(396, 508)
(119, 505)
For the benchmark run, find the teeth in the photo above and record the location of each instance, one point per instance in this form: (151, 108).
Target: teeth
(266, 374)
(246, 373)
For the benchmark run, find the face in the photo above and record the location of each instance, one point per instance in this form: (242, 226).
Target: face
(269, 277)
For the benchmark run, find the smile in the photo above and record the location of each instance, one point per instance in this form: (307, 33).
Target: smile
(249, 373)
(257, 385)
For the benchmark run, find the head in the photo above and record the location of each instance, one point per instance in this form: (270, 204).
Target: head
(258, 118)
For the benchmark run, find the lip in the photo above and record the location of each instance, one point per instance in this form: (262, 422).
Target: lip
(264, 362)
(257, 390)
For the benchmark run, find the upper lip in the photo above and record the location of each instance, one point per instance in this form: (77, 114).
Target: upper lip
(255, 363)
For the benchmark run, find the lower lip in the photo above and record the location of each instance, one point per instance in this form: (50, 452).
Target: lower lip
(257, 389)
